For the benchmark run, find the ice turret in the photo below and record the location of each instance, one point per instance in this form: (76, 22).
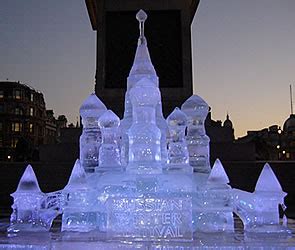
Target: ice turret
(142, 65)
(214, 208)
(77, 178)
(259, 211)
(144, 135)
(218, 174)
(196, 110)
(109, 152)
(90, 140)
(178, 158)
(28, 182)
(142, 68)
(267, 181)
(78, 205)
(28, 206)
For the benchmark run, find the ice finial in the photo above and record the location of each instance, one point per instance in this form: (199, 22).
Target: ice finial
(108, 120)
(92, 107)
(142, 65)
(267, 181)
(78, 177)
(141, 16)
(218, 174)
(28, 182)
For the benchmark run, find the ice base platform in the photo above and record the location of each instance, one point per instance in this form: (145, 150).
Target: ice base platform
(93, 240)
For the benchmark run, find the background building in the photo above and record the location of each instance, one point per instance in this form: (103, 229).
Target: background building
(22, 121)
(25, 124)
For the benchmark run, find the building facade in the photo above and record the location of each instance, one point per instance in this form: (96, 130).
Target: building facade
(22, 120)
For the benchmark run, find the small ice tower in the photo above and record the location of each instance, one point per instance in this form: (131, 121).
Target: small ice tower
(109, 152)
(142, 68)
(178, 158)
(196, 110)
(215, 208)
(269, 195)
(144, 135)
(27, 204)
(78, 210)
(90, 140)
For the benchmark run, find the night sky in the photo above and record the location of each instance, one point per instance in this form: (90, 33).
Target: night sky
(243, 54)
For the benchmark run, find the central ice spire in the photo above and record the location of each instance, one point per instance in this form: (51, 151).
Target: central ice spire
(141, 16)
(142, 65)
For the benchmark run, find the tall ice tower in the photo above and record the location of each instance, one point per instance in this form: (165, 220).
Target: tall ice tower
(168, 30)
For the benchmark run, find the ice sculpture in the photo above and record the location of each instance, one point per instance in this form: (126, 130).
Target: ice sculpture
(29, 211)
(178, 157)
(144, 135)
(79, 212)
(196, 110)
(109, 151)
(214, 209)
(142, 68)
(90, 140)
(259, 210)
(148, 198)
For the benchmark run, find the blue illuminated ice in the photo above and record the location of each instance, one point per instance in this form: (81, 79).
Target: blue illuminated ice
(90, 140)
(142, 68)
(218, 174)
(29, 211)
(196, 110)
(259, 210)
(79, 213)
(213, 211)
(144, 135)
(125, 186)
(178, 158)
(109, 151)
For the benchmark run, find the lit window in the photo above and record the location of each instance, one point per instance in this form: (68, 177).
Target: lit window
(31, 128)
(16, 127)
(17, 94)
(32, 97)
(18, 111)
(287, 155)
(31, 111)
(1, 94)
(14, 142)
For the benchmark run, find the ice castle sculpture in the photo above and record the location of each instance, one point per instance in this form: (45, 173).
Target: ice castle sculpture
(145, 177)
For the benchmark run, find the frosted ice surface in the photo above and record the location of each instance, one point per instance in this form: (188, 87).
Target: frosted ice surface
(196, 110)
(268, 181)
(177, 146)
(195, 106)
(145, 94)
(142, 64)
(177, 118)
(92, 107)
(141, 16)
(28, 181)
(109, 152)
(218, 174)
(109, 120)
(78, 177)
(144, 136)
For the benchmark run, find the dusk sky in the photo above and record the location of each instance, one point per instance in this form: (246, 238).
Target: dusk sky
(243, 54)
